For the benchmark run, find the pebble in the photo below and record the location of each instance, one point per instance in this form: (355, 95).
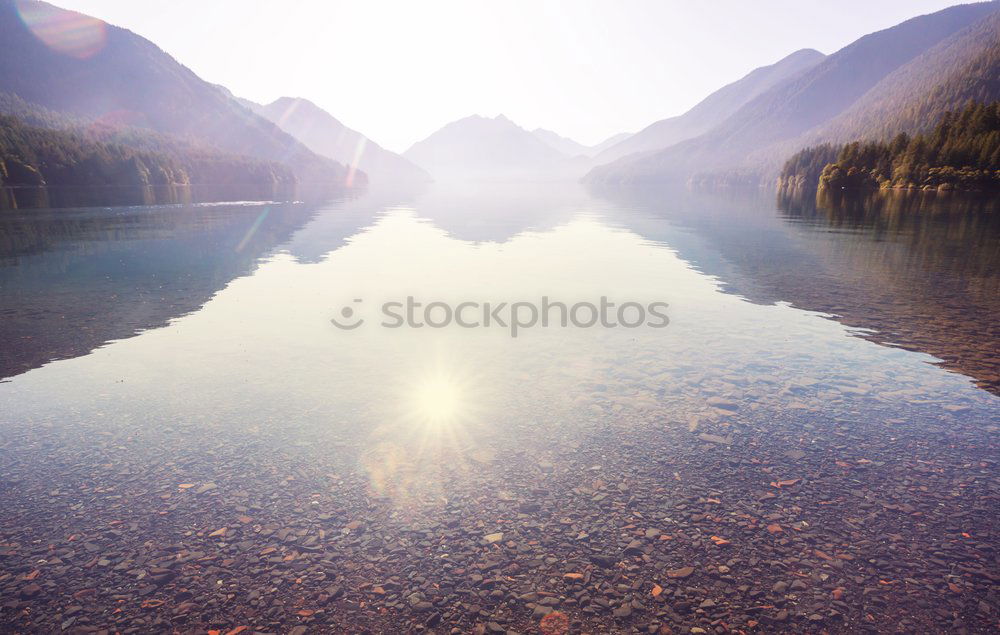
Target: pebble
(653, 531)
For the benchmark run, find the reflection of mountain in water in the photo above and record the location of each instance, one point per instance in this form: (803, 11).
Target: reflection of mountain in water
(921, 276)
(921, 273)
(73, 280)
(495, 211)
(328, 232)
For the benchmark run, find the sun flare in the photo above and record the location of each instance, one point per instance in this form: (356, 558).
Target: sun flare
(438, 400)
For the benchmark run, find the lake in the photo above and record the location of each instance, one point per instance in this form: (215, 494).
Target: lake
(182, 414)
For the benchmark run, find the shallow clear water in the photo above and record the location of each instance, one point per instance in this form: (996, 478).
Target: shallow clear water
(218, 317)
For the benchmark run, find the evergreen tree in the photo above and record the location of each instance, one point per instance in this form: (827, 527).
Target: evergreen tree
(96, 156)
(961, 152)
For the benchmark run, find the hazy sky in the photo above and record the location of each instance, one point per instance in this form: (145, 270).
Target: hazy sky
(399, 70)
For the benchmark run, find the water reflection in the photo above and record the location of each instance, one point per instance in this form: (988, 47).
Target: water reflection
(72, 280)
(924, 275)
(249, 350)
(910, 270)
(241, 437)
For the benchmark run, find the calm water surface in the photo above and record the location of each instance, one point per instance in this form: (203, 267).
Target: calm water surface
(177, 318)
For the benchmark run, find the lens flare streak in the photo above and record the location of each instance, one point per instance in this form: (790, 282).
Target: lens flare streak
(66, 32)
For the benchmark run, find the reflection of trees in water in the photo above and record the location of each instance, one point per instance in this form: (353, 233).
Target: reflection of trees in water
(72, 280)
(883, 204)
(922, 269)
(65, 197)
(75, 280)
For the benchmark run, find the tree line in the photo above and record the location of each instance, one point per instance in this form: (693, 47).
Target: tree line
(962, 152)
(84, 156)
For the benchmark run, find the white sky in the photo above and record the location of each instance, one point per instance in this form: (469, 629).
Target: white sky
(399, 70)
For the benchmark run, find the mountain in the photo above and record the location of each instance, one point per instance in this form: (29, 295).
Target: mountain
(573, 148)
(78, 65)
(961, 152)
(963, 68)
(480, 147)
(323, 134)
(757, 138)
(39, 147)
(610, 141)
(713, 109)
(36, 156)
(565, 145)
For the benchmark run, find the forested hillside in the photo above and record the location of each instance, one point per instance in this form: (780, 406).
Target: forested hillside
(322, 133)
(127, 80)
(32, 155)
(897, 80)
(962, 69)
(961, 152)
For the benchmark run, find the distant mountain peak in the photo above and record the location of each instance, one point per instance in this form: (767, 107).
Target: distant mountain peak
(289, 107)
(295, 102)
(325, 135)
(804, 52)
(478, 147)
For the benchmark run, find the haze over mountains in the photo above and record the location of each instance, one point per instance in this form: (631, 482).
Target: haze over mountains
(885, 82)
(479, 147)
(497, 149)
(564, 145)
(714, 109)
(323, 134)
(901, 79)
(573, 148)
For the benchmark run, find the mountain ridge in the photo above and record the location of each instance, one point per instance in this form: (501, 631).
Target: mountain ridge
(714, 108)
(325, 135)
(756, 138)
(565, 145)
(121, 78)
(572, 148)
(482, 147)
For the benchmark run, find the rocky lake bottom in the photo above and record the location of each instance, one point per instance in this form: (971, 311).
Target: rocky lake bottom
(798, 523)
